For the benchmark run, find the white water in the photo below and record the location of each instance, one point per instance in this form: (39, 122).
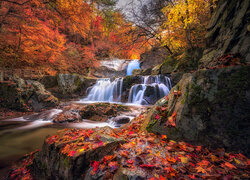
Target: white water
(148, 92)
(131, 66)
(157, 87)
(106, 90)
(116, 64)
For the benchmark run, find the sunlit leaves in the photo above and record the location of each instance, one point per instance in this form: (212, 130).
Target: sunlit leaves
(185, 16)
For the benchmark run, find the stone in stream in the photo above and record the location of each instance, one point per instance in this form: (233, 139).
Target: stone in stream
(55, 161)
(67, 116)
(213, 109)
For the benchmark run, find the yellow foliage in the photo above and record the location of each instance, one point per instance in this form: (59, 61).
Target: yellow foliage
(185, 16)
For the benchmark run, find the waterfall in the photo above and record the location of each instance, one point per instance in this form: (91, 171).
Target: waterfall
(151, 89)
(106, 90)
(131, 66)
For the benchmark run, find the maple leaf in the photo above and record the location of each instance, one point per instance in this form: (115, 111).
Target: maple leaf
(71, 153)
(147, 166)
(163, 137)
(229, 165)
(198, 148)
(200, 169)
(157, 117)
(203, 163)
(184, 160)
(95, 165)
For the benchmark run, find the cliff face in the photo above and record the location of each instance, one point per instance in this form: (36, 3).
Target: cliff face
(212, 106)
(228, 32)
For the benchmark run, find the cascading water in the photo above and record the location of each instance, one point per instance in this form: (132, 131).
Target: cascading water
(106, 90)
(131, 66)
(151, 89)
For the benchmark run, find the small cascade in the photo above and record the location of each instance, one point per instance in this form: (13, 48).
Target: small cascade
(150, 90)
(106, 90)
(131, 66)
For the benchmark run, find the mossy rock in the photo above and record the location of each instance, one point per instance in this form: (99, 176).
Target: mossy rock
(212, 110)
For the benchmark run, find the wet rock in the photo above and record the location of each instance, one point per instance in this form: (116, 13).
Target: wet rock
(52, 162)
(212, 110)
(68, 85)
(105, 72)
(119, 120)
(67, 116)
(19, 94)
(146, 72)
(101, 111)
(137, 72)
(128, 82)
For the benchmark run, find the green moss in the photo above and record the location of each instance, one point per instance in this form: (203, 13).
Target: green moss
(66, 162)
(151, 124)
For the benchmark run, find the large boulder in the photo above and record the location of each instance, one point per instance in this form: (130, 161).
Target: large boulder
(69, 154)
(67, 85)
(18, 94)
(209, 107)
(228, 32)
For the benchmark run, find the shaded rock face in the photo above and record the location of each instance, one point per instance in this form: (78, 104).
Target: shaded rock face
(96, 112)
(228, 32)
(153, 57)
(55, 161)
(128, 82)
(104, 72)
(101, 111)
(213, 109)
(67, 85)
(19, 94)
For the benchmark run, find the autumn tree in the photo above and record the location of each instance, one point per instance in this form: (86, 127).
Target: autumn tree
(186, 22)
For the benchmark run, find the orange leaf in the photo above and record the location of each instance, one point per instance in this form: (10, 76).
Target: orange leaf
(230, 165)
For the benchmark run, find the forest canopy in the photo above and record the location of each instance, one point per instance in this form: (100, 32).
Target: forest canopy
(72, 35)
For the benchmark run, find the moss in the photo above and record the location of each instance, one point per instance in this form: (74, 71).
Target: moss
(151, 124)
(127, 82)
(66, 162)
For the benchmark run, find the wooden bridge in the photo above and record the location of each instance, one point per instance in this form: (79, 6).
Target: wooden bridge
(6, 74)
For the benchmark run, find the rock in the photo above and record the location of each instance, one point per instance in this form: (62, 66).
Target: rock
(19, 94)
(101, 111)
(175, 77)
(227, 33)
(126, 173)
(55, 161)
(128, 82)
(156, 70)
(67, 116)
(212, 110)
(169, 65)
(68, 85)
(119, 120)
(146, 72)
(153, 57)
(105, 72)
(137, 72)
(49, 81)
(186, 62)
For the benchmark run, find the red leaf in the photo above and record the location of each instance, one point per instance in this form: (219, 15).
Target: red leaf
(95, 165)
(147, 166)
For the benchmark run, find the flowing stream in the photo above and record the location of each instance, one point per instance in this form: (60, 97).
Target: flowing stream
(22, 135)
